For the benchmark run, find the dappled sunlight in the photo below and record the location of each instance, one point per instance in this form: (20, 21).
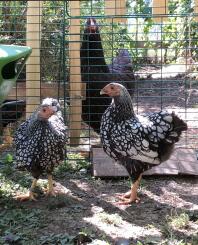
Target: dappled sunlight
(61, 189)
(115, 226)
(82, 185)
(171, 198)
(88, 205)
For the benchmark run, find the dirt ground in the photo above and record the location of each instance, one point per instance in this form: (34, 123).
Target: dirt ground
(89, 205)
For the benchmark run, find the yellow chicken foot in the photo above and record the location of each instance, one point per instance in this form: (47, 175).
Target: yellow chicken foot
(131, 196)
(50, 191)
(125, 195)
(30, 196)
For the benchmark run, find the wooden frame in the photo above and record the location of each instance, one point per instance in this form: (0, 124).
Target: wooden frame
(116, 7)
(196, 9)
(75, 75)
(33, 36)
(160, 7)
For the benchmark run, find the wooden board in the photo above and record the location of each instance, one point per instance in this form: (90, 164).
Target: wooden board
(75, 76)
(160, 7)
(115, 8)
(196, 9)
(33, 36)
(182, 161)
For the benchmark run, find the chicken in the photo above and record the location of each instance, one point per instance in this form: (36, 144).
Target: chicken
(138, 142)
(96, 74)
(10, 112)
(122, 66)
(40, 144)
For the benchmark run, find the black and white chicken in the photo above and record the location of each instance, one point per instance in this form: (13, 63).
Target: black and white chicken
(40, 144)
(139, 142)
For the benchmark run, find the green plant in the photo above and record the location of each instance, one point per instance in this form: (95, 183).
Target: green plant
(18, 225)
(178, 221)
(112, 219)
(62, 239)
(8, 159)
(74, 163)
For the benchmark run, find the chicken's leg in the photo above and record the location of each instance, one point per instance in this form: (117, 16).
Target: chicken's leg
(131, 196)
(50, 191)
(30, 195)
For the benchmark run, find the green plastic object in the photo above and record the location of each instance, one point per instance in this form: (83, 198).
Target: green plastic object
(12, 61)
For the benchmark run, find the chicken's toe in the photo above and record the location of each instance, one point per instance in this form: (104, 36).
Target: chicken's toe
(27, 197)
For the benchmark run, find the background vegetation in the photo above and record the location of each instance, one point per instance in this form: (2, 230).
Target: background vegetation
(146, 40)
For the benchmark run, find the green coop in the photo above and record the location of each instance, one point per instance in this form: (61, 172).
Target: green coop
(12, 61)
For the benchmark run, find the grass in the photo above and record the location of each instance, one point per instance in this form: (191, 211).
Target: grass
(75, 163)
(177, 224)
(179, 221)
(111, 219)
(12, 222)
(21, 225)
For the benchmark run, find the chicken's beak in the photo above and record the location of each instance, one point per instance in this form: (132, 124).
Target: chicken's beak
(103, 91)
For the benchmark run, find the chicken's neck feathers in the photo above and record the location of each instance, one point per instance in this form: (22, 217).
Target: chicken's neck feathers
(123, 105)
(92, 54)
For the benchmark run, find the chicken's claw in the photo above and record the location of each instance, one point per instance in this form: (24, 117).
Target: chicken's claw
(31, 196)
(50, 193)
(127, 201)
(125, 195)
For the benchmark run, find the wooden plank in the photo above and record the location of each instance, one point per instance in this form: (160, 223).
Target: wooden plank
(161, 171)
(104, 166)
(191, 168)
(189, 155)
(196, 9)
(47, 90)
(75, 76)
(33, 36)
(188, 162)
(170, 167)
(114, 8)
(160, 7)
(182, 161)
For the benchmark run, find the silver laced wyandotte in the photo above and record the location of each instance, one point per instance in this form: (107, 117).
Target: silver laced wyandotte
(40, 144)
(138, 142)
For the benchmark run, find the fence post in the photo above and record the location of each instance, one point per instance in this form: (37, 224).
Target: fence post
(33, 37)
(160, 7)
(196, 9)
(116, 7)
(75, 74)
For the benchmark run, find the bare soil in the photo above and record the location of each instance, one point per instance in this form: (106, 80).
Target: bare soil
(84, 204)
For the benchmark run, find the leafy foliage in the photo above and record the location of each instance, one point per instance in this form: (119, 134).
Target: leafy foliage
(177, 36)
(74, 163)
(11, 222)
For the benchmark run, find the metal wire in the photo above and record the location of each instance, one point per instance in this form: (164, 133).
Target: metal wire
(152, 54)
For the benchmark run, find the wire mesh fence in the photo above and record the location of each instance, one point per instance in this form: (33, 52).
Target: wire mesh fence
(78, 46)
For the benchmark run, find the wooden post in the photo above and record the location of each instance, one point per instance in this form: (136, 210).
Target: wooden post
(75, 75)
(33, 36)
(196, 9)
(160, 7)
(116, 7)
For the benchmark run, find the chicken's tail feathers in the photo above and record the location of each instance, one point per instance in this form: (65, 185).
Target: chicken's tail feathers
(179, 124)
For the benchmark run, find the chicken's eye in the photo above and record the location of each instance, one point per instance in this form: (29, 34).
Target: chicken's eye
(44, 110)
(112, 87)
